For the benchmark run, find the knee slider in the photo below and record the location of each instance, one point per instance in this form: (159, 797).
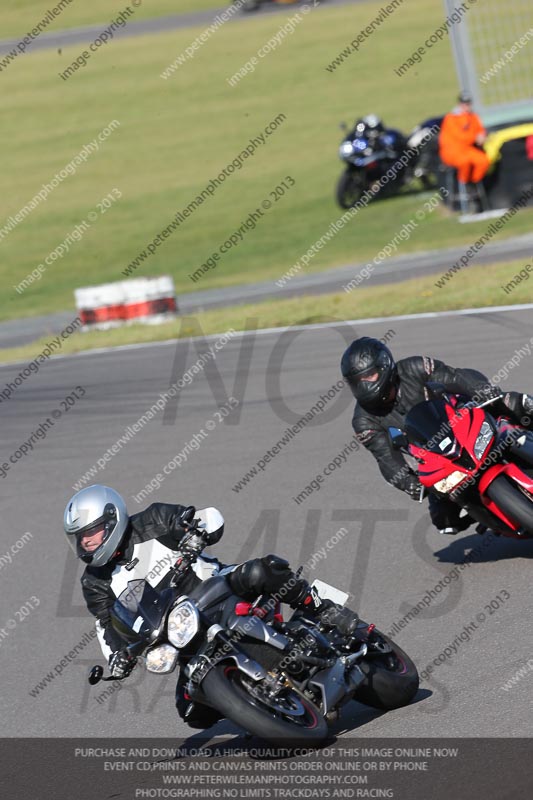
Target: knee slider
(275, 564)
(245, 578)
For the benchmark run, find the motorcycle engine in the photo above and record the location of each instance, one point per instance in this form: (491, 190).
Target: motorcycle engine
(306, 641)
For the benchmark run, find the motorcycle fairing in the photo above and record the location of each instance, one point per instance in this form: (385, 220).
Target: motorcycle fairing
(446, 438)
(256, 629)
(140, 609)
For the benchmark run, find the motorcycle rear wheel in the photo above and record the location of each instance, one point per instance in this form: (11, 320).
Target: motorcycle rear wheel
(513, 502)
(390, 681)
(229, 691)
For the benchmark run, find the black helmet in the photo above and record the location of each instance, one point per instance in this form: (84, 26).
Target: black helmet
(370, 370)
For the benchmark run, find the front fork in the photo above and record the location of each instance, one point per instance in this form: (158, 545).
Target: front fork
(219, 649)
(522, 448)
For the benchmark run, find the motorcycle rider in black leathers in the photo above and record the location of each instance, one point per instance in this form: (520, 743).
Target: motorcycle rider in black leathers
(118, 548)
(378, 137)
(386, 391)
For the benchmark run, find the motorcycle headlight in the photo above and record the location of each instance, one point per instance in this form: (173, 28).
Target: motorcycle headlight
(449, 483)
(346, 149)
(483, 440)
(183, 624)
(161, 659)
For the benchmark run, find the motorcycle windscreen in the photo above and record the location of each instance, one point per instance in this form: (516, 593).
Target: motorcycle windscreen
(138, 611)
(428, 422)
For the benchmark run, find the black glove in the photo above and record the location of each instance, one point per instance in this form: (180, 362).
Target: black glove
(488, 392)
(186, 517)
(121, 664)
(413, 487)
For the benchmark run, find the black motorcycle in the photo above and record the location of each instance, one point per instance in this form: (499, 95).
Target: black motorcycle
(276, 679)
(367, 162)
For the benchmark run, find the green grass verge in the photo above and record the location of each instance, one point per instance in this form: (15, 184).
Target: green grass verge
(473, 287)
(20, 16)
(176, 134)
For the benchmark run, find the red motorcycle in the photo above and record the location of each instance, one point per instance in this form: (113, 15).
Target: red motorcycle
(482, 462)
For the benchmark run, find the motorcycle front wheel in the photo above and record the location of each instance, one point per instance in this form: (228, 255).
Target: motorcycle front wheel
(288, 717)
(515, 502)
(350, 188)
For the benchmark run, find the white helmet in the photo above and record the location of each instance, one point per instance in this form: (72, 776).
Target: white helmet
(373, 123)
(89, 511)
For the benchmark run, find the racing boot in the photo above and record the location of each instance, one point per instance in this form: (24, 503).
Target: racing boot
(328, 613)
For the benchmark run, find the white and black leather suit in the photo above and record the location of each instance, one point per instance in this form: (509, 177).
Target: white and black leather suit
(149, 550)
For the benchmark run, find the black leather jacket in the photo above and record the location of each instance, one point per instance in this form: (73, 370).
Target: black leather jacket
(371, 428)
(158, 529)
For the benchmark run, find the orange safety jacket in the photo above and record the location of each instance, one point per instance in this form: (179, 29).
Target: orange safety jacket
(458, 132)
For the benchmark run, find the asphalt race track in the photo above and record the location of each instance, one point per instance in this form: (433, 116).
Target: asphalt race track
(143, 27)
(388, 559)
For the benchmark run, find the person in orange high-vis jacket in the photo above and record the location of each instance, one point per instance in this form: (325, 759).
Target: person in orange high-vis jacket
(460, 132)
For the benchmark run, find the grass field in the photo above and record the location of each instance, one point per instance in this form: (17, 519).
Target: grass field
(473, 287)
(20, 16)
(176, 134)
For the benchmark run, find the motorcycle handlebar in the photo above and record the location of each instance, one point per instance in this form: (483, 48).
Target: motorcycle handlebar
(487, 402)
(438, 391)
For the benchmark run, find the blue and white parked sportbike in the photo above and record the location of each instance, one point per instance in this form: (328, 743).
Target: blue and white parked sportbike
(367, 161)
(276, 679)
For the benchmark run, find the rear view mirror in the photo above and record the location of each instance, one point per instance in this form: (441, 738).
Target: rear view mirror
(399, 440)
(95, 675)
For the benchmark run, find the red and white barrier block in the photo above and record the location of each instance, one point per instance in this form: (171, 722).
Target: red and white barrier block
(147, 300)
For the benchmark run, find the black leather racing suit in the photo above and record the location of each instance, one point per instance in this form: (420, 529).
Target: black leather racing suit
(371, 427)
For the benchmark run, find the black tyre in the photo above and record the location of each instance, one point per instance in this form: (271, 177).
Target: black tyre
(391, 679)
(251, 5)
(350, 187)
(513, 501)
(428, 181)
(293, 719)
(428, 164)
